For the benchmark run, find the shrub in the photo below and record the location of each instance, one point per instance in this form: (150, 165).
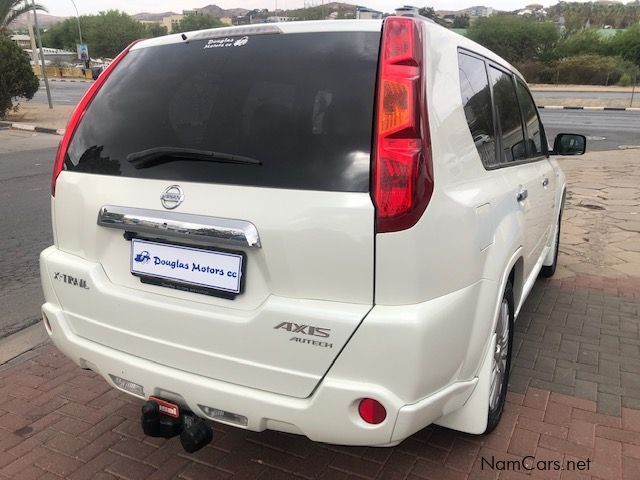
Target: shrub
(579, 70)
(515, 38)
(537, 72)
(16, 76)
(625, 80)
(588, 70)
(583, 42)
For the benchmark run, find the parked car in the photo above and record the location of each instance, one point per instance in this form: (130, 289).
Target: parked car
(291, 227)
(95, 72)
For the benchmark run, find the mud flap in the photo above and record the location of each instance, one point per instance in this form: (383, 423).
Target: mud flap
(472, 417)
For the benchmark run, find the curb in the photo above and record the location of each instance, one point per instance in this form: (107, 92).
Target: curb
(23, 341)
(616, 109)
(67, 80)
(32, 128)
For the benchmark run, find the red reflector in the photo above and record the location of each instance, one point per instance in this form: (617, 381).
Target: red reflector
(372, 411)
(402, 173)
(77, 114)
(166, 408)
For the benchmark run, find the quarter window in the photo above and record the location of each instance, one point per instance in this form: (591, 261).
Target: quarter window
(511, 145)
(476, 98)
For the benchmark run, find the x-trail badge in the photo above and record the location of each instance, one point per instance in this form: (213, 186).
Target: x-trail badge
(172, 197)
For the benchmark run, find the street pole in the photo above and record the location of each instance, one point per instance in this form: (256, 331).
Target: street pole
(633, 90)
(44, 70)
(78, 18)
(32, 38)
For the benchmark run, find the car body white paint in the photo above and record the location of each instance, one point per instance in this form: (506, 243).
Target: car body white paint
(411, 313)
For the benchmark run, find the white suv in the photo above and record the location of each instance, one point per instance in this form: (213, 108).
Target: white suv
(324, 228)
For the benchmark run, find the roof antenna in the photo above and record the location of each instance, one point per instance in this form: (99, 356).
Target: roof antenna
(184, 37)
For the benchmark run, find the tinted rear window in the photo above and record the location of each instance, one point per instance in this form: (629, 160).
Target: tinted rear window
(301, 104)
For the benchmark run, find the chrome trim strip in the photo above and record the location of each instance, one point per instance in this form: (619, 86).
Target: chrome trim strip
(183, 226)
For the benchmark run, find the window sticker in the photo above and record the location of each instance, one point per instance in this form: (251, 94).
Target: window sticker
(226, 42)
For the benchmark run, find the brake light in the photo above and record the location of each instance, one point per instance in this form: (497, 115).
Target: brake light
(77, 114)
(402, 172)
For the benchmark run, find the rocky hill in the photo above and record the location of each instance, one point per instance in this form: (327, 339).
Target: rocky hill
(152, 17)
(44, 21)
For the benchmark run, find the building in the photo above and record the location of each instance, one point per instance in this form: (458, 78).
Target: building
(277, 19)
(171, 22)
(364, 13)
(479, 11)
(407, 10)
(53, 56)
(23, 41)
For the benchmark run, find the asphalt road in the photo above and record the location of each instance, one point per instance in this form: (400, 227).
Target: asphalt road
(605, 130)
(25, 168)
(25, 178)
(62, 93)
(578, 95)
(69, 93)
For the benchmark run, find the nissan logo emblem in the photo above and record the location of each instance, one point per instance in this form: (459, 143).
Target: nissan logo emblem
(172, 197)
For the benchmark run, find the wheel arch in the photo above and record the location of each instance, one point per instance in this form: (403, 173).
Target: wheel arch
(472, 416)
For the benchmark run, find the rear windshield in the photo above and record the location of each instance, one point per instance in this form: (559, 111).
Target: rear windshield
(291, 110)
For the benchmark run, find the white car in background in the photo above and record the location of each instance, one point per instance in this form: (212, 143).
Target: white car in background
(291, 227)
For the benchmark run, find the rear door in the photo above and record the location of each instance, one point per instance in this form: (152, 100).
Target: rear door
(287, 120)
(537, 151)
(524, 176)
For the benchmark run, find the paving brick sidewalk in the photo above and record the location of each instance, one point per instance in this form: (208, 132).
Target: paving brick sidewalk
(574, 396)
(59, 421)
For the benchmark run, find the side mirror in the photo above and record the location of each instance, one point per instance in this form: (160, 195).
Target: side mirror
(569, 144)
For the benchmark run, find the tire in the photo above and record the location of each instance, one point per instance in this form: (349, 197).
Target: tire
(501, 366)
(548, 271)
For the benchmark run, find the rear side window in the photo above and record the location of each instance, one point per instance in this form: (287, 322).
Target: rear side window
(511, 145)
(301, 105)
(476, 99)
(532, 122)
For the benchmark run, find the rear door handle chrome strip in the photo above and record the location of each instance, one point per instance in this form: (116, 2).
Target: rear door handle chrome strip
(182, 226)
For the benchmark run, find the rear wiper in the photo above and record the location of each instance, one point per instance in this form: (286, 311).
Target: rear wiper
(158, 155)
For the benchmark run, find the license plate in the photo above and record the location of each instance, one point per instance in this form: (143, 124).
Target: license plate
(183, 266)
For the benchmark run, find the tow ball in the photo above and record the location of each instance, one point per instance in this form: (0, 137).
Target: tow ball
(167, 420)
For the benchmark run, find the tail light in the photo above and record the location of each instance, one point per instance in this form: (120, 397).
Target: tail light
(77, 114)
(402, 172)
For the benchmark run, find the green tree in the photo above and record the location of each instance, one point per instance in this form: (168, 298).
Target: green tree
(197, 22)
(514, 37)
(155, 30)
(428, 12)
(461, 21)
(583, 42)
(12, 9)
(626, 44)
(16, 76)
(106, 34)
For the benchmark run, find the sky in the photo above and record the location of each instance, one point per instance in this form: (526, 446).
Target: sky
(65, 7)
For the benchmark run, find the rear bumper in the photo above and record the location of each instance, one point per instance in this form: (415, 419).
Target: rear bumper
(330, 413)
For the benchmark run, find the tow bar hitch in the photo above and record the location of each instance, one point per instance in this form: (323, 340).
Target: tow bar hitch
(163, 419)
